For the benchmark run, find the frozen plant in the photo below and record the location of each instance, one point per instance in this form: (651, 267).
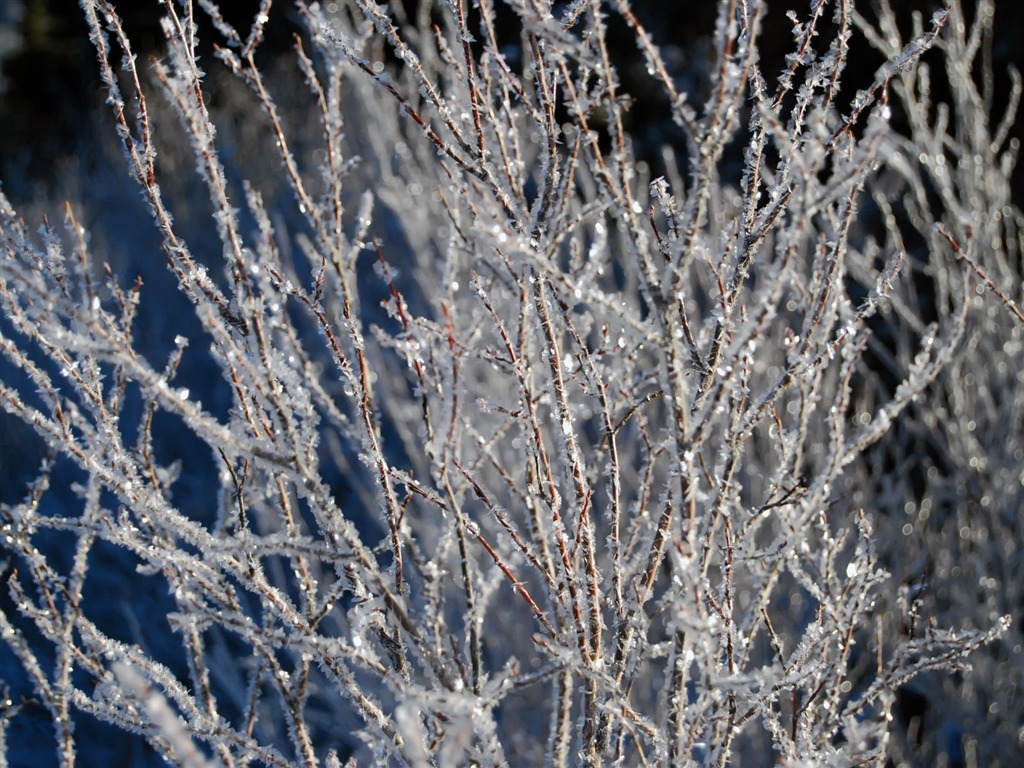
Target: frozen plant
(465, 441)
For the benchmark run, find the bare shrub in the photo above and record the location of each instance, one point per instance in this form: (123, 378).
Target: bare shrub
(462, 440)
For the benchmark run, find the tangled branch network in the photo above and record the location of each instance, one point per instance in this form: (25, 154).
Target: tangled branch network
(424, 406)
